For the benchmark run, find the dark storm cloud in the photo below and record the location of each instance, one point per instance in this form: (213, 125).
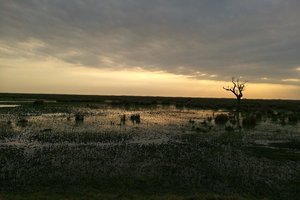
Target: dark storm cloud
(199, 38)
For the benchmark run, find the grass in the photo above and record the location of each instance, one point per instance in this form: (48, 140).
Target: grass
(89, 193)
(289, 145)
(99, 196)
(80, 137)
(274, 154)
(150, 169)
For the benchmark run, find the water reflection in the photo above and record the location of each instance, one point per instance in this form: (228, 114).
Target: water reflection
(8, 106)
(154, 122)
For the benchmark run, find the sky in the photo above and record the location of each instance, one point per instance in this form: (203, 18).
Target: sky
(150, 47)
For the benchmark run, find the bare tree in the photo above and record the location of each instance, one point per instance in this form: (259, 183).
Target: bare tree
(237, 89)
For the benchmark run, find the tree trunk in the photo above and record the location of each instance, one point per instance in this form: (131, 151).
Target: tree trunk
(238, 105)
(238, 108)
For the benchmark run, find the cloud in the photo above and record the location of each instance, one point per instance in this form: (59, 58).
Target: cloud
(203, 39)
(291, 80)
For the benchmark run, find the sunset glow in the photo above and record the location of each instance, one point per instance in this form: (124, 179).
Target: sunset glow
(53, 76)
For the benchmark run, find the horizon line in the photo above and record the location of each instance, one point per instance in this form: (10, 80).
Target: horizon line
(124, 95)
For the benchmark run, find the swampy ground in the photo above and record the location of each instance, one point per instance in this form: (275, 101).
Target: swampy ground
(120, 147)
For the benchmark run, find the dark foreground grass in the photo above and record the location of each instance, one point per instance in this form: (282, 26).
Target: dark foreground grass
(274, 154)
(166, 171)
(81, 193)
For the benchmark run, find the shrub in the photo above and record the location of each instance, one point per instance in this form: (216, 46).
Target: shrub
(209, 119)
(79, 117)
(122, 119)
(233, 121)
(274, 118)
(38, 102)
(22, 122)
(249, 121)
(258, 116)
(293, 119)
(201, 129)
(221, 119)
(283, 120)
(229, 127)
(135, 118)
(191, 121)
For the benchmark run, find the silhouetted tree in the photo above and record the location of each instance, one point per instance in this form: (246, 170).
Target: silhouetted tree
(237, 89)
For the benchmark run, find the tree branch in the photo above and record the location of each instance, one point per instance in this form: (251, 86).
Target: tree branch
(237, 88)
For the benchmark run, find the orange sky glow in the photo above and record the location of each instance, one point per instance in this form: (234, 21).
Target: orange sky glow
(54, 76)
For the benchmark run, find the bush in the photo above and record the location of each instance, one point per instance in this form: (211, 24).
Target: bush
(135, 118)
(293, 119)
(22, 122)
(229, 128)
(79, 117)
(259, 116)
(249, 121)
(209, 119)
(39, 102)
(221, 119)
(122, 119)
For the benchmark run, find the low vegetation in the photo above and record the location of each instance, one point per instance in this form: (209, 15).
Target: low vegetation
(148, 151)
(221, 118)
(79, 117)
(249, 121)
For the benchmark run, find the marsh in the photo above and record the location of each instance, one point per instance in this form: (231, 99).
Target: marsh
(176, 148)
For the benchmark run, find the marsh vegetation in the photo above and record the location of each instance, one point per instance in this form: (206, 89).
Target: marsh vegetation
(138, 147)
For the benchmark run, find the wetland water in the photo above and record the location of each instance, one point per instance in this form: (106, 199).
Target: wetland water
(167, 148)
(8, 106)
(159, 122)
